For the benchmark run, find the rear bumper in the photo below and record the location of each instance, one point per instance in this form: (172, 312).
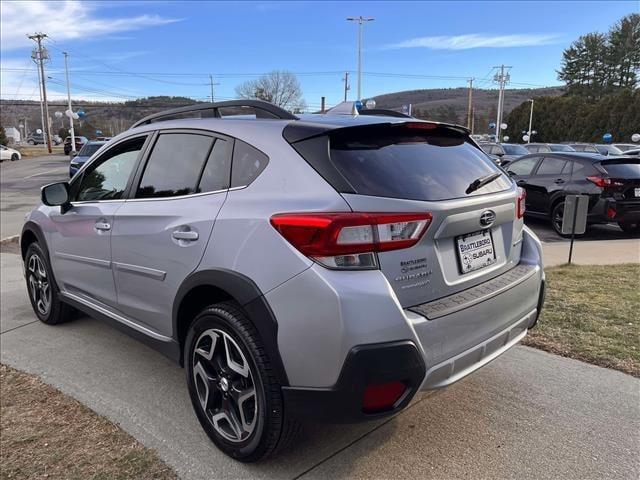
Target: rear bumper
(611, 210)
(335, 344)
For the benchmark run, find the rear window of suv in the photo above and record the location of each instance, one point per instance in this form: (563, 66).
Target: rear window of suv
(422, 163)
(622, 168)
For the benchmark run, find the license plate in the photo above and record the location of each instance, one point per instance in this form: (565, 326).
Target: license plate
(636, 192)
(475, 251)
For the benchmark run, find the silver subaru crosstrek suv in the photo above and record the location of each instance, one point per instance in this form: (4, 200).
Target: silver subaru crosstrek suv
(319, 267)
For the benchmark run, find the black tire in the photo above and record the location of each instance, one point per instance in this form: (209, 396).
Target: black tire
(15, 157)
(31, 142)
(52, 311)
(557, 213)
(630, 227)
(271, 429)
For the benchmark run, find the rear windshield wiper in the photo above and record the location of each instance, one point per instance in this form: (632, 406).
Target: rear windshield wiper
(481, 182)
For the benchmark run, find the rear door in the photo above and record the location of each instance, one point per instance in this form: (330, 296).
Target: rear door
(547, 182)
(161, 233)
(521, 171)
(427, 168)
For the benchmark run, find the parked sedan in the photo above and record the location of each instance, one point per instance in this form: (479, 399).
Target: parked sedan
(606, 149)
(626, 146)
(507, 152)
(548, 147)
(584, 147)
(83, 155)
(612, 183)
(7, 153)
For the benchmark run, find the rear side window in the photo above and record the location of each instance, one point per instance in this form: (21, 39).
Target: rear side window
(248, 163)
(551, 166)
(421, 163)
(215, 175)
(515, 150)
(523, 167)
(175, 165)
(623, 168)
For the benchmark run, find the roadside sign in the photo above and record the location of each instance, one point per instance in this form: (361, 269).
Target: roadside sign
(574, 218)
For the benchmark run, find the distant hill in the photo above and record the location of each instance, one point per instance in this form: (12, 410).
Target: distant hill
(110, 118)
(450, 104)
(443, 104)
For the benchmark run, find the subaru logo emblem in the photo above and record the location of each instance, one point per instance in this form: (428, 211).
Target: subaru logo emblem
(487, 218)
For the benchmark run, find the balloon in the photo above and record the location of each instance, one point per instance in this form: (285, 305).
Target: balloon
(503, 126)
(76, 116)
(371, 103)
(505, 138)
(635, 137)
(38, 131)
(358, 104)
(525, 138)
(80, 113)
(492, 125)
(607, 137)
(58, 114)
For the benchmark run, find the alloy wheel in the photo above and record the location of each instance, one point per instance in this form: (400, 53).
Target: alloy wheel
(225, 385)
(558, 215)
(39, 287)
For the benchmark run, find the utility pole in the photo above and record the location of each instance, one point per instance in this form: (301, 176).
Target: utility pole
(502, 78)
(347, 87)
(73, 133)
(530, 121)
(470, 105)
(322, 104)
(41, 56)
(473, 119)
(211, 84)
(361, 20)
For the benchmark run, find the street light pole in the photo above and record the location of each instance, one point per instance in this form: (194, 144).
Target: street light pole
(72, 130)
(530, 121)
(360, 21)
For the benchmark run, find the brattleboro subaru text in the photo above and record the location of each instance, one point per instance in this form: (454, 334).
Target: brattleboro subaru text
(317, 267)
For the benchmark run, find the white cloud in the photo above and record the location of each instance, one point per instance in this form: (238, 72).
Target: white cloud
(476, 40)
(66, 20)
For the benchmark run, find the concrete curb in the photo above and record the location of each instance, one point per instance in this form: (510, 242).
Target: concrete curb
(9, 240)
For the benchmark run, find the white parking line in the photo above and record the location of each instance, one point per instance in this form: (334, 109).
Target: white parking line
(45, 173)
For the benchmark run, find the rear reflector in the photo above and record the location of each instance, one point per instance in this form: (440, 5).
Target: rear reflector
(382, 397)
(522, 196)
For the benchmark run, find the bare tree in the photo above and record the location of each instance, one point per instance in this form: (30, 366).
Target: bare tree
(279, 87)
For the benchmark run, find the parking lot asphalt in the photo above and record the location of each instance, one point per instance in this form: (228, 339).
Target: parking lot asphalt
(528, 414)
(20, 184)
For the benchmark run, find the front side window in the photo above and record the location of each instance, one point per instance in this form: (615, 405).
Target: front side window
(107, 177)
(175, 165)
(513, 149)
(522, 167)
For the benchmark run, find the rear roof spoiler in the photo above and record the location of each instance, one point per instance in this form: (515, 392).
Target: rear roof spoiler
(302, 130)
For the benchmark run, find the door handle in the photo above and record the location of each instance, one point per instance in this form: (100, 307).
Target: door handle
(558, 181)
(104, 226)
(521, 183)
(185, 235)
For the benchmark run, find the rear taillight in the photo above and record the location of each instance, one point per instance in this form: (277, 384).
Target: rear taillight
(604, 182)
(350, 240)
(522, 196)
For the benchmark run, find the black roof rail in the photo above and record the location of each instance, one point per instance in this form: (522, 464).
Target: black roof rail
(383, 113)
(263, 110)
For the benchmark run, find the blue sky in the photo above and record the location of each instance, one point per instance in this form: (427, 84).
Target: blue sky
(126, 49)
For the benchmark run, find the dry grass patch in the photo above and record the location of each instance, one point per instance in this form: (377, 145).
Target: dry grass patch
(46, 434)
(592, 313)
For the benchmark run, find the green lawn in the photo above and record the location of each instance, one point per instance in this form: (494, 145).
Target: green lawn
(592, 313)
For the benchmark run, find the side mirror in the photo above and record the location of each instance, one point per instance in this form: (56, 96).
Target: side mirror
(56, 195)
